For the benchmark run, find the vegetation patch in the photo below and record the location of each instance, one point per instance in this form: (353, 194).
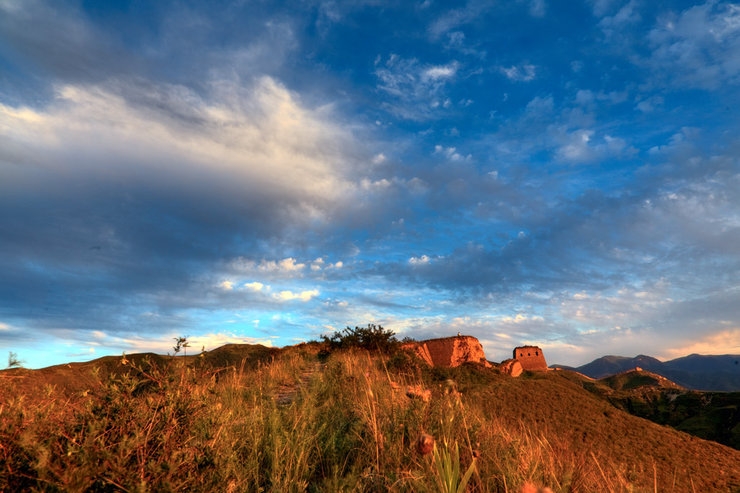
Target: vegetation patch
(286, 420)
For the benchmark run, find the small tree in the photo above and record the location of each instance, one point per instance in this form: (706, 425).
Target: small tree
(13, 361)
(181, 343)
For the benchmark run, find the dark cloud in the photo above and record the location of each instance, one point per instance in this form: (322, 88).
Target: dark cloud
(42, 41)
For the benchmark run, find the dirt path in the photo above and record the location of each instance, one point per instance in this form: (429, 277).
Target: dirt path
(286, 394)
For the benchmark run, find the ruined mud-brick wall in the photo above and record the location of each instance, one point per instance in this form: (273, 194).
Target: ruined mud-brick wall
(531, 357)
(451, 351)
(511, 367)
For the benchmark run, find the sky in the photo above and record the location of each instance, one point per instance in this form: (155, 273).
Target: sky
(563, 173)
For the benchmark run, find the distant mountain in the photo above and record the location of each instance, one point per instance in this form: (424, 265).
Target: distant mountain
(611, 365)
(697, 372)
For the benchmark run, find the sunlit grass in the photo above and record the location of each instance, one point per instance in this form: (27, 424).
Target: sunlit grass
(293, 424)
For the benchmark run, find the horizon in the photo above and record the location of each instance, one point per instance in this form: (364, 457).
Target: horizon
(545, 172)
(194, 351)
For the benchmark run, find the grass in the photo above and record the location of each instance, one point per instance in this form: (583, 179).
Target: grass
(289, 421)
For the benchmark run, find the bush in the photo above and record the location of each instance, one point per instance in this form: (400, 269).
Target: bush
(372, 338)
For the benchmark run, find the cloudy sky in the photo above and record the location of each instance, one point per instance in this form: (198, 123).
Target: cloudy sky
(563, 173)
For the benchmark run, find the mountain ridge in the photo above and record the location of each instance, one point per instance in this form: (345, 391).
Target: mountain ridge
(711, 373)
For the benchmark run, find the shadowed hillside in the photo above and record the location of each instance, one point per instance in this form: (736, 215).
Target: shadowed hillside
(709, 415)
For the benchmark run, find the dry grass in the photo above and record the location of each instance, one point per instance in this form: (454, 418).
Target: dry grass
(294, 424)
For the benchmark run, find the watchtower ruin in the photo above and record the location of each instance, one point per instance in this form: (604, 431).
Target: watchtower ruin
(531, 358)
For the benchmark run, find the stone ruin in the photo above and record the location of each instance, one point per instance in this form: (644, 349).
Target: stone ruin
(450, 352)
(531, 358)
(511, 367)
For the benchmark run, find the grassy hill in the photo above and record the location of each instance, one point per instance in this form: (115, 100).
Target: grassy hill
(709, 415)
(248, 418)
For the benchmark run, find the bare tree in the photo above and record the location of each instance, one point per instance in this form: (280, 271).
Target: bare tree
(181, 343)
(14, 361)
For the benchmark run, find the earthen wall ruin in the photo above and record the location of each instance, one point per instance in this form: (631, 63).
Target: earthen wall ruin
(531, 358)
(451, 351)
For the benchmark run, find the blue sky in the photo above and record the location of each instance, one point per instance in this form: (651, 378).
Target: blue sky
(560, 173)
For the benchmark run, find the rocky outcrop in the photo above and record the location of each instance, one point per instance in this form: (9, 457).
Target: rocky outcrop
(450, 351)
(531, 358)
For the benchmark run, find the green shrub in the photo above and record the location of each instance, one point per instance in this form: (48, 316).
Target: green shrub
(371, 338)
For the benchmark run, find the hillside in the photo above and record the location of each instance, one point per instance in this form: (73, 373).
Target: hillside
(73, 378)
(697, 372)
(346, 422)
(709, 415)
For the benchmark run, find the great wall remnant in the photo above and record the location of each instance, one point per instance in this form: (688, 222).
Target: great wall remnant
(511, 367)
(450, 352)
(531, 358)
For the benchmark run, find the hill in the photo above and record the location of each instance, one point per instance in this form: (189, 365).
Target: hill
(301, 420)
(697, 372)
(709, 415)
(73, 378)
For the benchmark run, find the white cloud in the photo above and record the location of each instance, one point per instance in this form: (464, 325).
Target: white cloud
(601, 7)
(379, 158)
(649, 105)
(581, 146)
(417, 91)
(129, 345)
(317, 264)
(577, 149)
(700, 47)
(627, 14)
(537, 8)
(539, 107)
(227, 285)
(455, 18)
(320, 264)
(720, 341)
(438, 72)
(255, 287)
(584, 97)
(417, 261)
(451, 153)
(624, 307)
(376, 185)
(520, 318)
(287, 267)
(301, 296)
(251, 136)
(521, 73)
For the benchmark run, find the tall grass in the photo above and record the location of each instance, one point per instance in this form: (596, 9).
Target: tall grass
(292, 424)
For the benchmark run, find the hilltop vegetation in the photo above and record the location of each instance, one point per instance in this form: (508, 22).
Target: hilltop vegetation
(249, 418)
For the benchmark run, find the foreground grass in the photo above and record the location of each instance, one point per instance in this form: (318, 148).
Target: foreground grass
(297, 424)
